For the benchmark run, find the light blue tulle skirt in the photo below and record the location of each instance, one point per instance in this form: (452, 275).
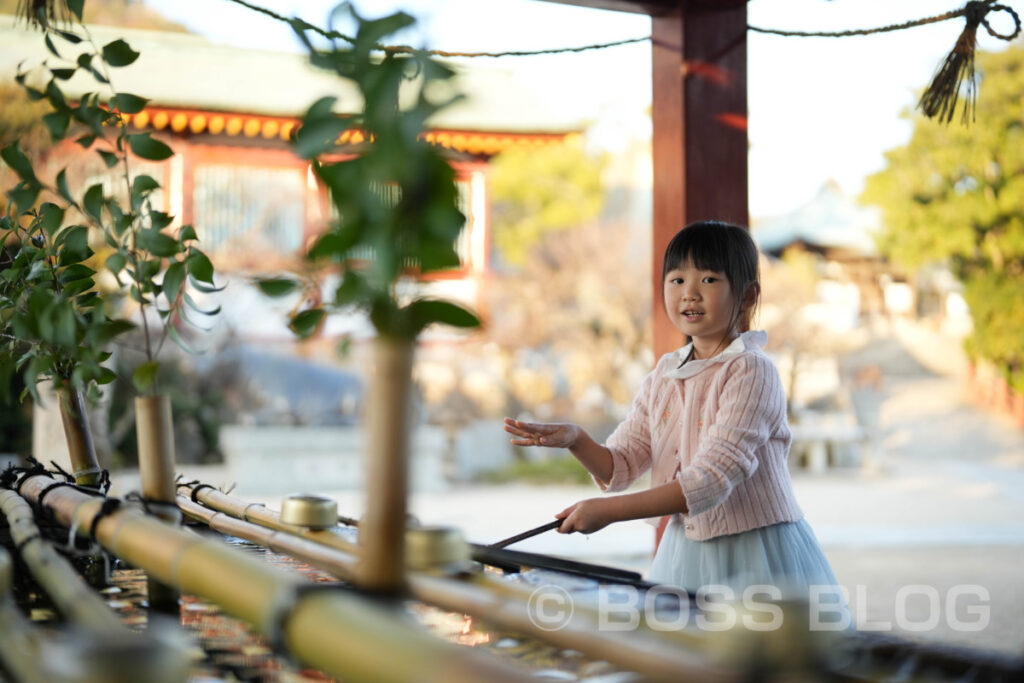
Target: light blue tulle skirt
(785, 555)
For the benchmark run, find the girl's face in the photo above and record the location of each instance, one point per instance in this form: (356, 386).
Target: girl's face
(702, 305)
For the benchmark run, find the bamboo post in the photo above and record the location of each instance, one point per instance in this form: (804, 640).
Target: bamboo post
(341, 633)
(154, 428)
(81, 451)
(662, 656)
(382, 527)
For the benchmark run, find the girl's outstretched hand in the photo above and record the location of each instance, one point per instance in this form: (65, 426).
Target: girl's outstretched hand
(587, 516)
(553, 435)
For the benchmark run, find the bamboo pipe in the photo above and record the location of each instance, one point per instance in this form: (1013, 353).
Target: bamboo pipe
(70, 593)
(21, 641)
(343, 634)
(257, 513)
(78, 434)
(155, 435)
(382, 527)
(497, 603)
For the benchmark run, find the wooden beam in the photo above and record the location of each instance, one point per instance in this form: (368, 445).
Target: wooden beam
(699, 112)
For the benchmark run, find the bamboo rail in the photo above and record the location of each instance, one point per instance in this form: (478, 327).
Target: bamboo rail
(257, 513)
(659, 656)
(70, 593)
(341, 633)
(20, 652)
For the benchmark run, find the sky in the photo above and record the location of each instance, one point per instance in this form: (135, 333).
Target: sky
(819, 108)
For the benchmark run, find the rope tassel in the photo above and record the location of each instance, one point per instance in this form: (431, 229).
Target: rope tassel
(940, 98)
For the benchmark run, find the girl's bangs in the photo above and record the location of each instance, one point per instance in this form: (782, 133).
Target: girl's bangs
(701, 245)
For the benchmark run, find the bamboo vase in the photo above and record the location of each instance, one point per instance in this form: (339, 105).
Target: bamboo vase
(154, 428)
(382, 528)
(86, 468)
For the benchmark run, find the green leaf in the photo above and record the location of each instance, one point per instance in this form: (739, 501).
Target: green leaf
(142, 186)
(50, 46)
(202, 287)
(200, 266)
(19, 163)
(305, 322)
(144, 375)
(63, 74)
(116, 262)
(157, 243)
(109, 158)
(24, 196)
(128, 103)
(75, 6)
(86, 141)
(56, 97)
(105, 376)
(76, 272)
(277, 286)
(144, 146)
(173, 279)
(191, 303)
(56, 123)
(119, 53)
(102, 334)
(186, 234)
(69, 36)
(158, 220)
(424, 312)
(74, 245)
(92, 202)
(175, 336)
(62, 185)
(85, 60)
(51, 217)
(77, 286)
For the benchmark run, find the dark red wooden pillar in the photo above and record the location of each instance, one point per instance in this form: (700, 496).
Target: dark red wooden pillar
(699, 112)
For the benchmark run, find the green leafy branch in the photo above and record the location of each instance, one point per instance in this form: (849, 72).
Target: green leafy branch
(134, 232)
(396, 199)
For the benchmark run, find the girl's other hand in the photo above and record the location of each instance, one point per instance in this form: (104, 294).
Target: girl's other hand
(586, 516)
(553, 435)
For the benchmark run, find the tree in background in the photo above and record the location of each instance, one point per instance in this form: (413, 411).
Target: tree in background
(955, 195)
(21, 119)
(535, 191)
(124, 13)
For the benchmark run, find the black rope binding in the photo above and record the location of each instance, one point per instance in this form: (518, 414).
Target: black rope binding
(109, 506)
(283, 609)
(197, 488)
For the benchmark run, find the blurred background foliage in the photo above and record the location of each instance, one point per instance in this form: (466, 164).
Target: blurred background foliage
(535, 191)
(955, 195)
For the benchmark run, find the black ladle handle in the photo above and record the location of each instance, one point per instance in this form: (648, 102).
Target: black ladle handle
(527, 534)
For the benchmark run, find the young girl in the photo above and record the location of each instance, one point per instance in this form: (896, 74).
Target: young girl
(710, 424)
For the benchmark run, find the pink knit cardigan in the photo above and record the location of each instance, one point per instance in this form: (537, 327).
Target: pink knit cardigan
(718, 427)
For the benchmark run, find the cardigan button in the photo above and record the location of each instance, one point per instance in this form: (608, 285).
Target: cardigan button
(689, 526)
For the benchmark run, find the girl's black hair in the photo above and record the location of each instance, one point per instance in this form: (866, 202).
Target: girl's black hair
(721, 247)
